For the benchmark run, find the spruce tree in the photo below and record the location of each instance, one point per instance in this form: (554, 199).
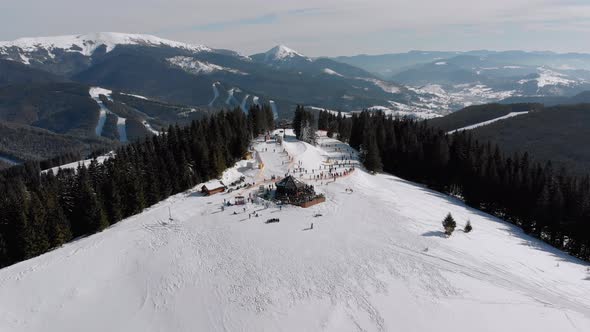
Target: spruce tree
(449, 224)
(468, 228)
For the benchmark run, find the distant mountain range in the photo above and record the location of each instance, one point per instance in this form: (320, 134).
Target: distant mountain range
(476, 77)
(115, 87)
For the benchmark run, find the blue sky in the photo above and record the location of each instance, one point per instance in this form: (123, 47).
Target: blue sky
(319, 27)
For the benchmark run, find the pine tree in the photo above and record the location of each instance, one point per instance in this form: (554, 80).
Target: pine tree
(468, 228)
(372, 158)
(449, 224)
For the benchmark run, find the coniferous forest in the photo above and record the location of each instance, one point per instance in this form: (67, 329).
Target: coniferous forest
(547, 203)
(40, 211)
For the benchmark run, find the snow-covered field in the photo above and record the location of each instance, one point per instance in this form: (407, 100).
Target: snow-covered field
(376, 260)
(485, 123)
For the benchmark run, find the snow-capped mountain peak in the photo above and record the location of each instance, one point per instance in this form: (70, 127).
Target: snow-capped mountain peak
(86, 44)
(282, 53)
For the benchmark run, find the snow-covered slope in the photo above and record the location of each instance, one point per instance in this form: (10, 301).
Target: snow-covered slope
(88, 43)
(375, 260)
(485, 123)
(282, 53)
(197, 67)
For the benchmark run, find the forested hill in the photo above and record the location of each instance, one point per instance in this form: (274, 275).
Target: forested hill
(556, 133)
(480, 113)
(40, 211)
(549, 203)
(559, 133)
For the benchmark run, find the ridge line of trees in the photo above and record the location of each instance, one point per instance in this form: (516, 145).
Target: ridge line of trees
(41, 211)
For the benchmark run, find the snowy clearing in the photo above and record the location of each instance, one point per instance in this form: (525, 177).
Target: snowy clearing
(331, 72)
(375, 260)
(95, 93)
(243, 105)
(122, 129)
(485, 123)
(275, 110)
(74, 165)
(9, 160)
(149, 127)
(196, 67)
(215, 93)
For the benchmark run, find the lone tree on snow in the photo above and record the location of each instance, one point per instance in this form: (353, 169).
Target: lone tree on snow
(449, 224)
(468, 227)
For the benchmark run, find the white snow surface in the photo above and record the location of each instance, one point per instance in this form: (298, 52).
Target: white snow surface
(332, 72)
(376, 260)
(549, 77)
(485, 123)
(86, 44)
(136, 96)
(95, 93)
(196, 67)
(74, 165)
(282, 53)
(215, 93)
(274, 108)
(243, 105)
(122, 129)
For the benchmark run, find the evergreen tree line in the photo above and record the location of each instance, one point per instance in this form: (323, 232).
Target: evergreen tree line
(304, 125)
(547, 203)
(41, 211)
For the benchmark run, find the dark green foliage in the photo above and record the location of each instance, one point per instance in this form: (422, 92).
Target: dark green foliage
(477, 114)
(449, 224)
(468, 228)
(551, 205)
(304, 125)
(43, 211)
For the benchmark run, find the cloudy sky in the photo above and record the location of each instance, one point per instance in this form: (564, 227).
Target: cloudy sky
(317, 27)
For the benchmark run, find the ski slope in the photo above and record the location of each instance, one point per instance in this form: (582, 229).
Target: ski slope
(122, 129)
(485, 123)
(215, 93)
(95, 93)
(376, 260)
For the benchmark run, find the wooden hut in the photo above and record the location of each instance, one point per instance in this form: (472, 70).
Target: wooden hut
(212, 187)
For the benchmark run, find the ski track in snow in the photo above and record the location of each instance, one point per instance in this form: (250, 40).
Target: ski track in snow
(215, 93)
(274, 108)
(95, 93)
(376, 260)
(231, 98)
(243, 104)
(485, 123)
(122, 129)
(9, 160)
(149, 127)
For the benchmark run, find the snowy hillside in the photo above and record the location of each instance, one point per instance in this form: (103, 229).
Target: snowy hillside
(282, 53)
(375, 260)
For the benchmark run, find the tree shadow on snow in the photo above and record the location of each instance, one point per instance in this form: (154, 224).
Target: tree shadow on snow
(434, 234)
